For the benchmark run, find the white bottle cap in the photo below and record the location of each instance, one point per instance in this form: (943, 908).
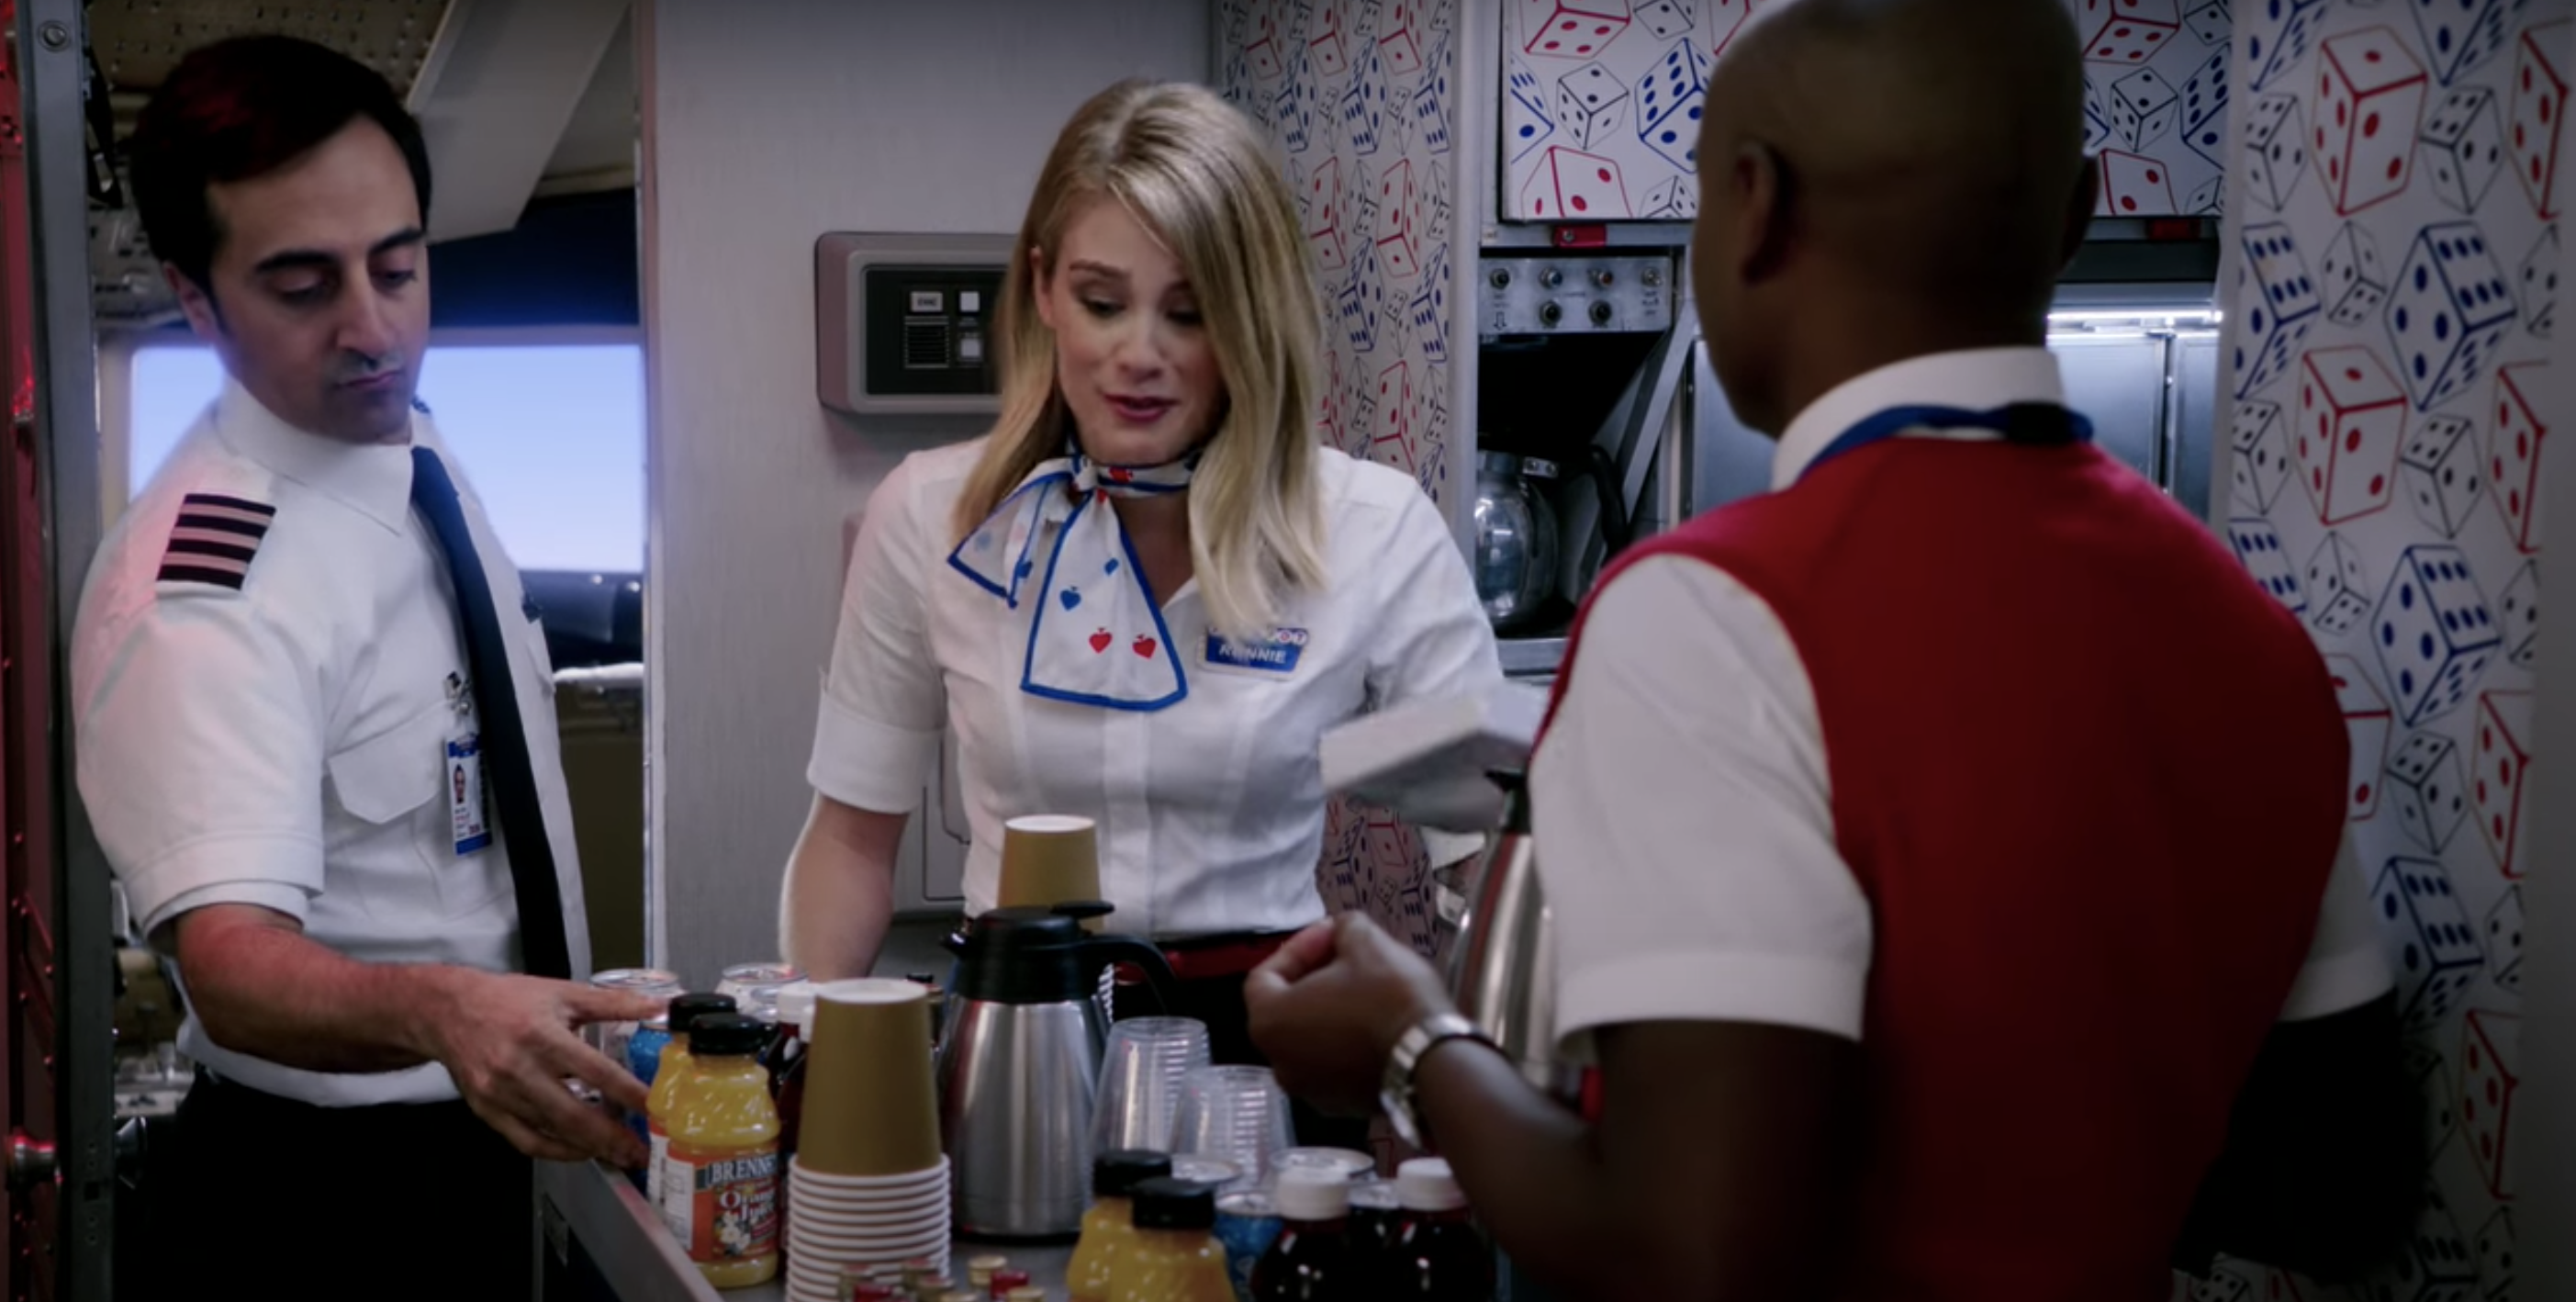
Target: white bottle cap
(795, 1004)
(1309, 1193)
(1426, 1184)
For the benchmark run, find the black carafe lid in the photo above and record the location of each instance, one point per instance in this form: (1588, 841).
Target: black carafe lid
(1037, 955)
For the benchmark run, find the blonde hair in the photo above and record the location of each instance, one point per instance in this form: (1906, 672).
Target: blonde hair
(1193, 172)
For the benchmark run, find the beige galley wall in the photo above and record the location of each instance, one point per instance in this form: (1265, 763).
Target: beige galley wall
(767, 123)
(2391, 293)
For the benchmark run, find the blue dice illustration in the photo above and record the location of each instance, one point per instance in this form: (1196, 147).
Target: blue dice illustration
(2281, 306)
(2258, 548)
(2437, 947)
(1670, 100)
(2433, 632)
(2450, 309)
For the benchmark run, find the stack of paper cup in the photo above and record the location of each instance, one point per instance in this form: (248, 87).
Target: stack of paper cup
(869, 1186)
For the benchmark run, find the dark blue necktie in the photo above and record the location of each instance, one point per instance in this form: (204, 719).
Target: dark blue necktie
(505, 737)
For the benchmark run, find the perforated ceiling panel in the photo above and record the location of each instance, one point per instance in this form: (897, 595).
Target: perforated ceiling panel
(138, 41)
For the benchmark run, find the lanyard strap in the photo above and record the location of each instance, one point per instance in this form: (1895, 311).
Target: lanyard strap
(2034, 424)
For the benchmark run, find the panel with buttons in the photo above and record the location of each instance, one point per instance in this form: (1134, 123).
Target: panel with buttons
(1620, 294)
(906, 323)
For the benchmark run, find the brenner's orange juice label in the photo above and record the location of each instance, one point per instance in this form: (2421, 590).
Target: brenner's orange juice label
(722, 1202)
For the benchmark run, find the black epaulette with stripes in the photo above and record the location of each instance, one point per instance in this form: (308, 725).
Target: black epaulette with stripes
(215, 539)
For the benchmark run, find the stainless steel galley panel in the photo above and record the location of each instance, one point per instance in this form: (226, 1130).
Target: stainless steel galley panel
(2118, 382)
(2152, 398)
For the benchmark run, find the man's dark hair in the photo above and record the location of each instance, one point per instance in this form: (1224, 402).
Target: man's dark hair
(242, 108)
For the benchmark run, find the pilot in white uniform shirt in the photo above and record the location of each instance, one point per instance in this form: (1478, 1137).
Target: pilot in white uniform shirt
(1756, 917)
(278, 732)
(1210, 811)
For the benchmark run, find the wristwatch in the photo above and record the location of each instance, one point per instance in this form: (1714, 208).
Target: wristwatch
(1395, 1091)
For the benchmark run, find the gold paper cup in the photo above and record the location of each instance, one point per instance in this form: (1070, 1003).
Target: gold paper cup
(870, 1109)
(1048, 859)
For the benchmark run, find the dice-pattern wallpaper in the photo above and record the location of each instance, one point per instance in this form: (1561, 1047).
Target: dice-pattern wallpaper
(2155, 103)
(1601, 106)
(1358, 98)
(2391, 292)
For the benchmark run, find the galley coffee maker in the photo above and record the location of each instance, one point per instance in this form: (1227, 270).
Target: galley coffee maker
(1582, 376)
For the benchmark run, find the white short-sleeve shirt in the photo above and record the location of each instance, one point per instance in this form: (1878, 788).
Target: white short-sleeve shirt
(1210, 811)
(284, 743)
(1681, 801)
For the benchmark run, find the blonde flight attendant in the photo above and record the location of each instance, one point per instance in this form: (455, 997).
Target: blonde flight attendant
(1147, 593)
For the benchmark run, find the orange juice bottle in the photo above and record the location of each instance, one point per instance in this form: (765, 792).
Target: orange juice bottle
(1108, 1227)
(720, 1181)
(1174, 1256)
(669, 1067)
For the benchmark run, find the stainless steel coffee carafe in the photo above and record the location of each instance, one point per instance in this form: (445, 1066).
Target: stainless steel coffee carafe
(1019, 1067)
(1502, 965)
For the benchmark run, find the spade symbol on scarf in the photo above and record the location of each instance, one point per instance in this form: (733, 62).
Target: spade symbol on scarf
(1071, 597)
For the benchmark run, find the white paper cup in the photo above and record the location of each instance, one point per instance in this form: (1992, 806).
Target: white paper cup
(838, 1250)
(875, 1222)
(902, 1183)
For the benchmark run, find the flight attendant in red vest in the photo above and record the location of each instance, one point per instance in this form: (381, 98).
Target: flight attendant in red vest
(1945, 848)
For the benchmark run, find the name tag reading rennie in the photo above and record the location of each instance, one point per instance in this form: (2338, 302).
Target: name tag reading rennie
(1278, 654)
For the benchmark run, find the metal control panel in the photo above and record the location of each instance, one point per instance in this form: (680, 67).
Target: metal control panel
(1603, 294)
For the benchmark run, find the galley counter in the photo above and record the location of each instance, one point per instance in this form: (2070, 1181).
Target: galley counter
(600, 1243)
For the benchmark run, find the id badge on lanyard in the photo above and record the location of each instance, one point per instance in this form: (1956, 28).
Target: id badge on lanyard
(468, 814)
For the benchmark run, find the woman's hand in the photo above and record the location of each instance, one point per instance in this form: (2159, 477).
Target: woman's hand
(1329, 1007)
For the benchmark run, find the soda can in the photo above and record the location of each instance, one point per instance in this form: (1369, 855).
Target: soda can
(1246, 1224)
(653, 983)
(1216, 1173)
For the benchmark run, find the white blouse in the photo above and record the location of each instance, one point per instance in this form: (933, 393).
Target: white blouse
(1210, 811)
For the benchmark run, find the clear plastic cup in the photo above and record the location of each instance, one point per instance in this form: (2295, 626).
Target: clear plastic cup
(1236, 1113)
(745, 978)
(1140, 1081)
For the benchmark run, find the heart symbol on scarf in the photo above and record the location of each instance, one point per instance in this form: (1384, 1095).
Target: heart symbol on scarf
(1120, 474)
(1100, 641)
(1144, 646)
(1071, 597)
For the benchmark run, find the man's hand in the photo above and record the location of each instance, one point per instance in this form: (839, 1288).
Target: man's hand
(1330, 1005)
(510, 1044)
(260, 986)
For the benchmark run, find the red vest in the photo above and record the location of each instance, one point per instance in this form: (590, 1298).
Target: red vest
(2090, 778)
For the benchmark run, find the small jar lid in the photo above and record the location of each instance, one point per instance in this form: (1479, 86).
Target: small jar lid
(1349, 1161)
(1312, 1193)
(1169, 1204)
(1199, 1168)
(727, 1035)
(1116, 1173)
(1375, 1195)
(1426, 1184)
